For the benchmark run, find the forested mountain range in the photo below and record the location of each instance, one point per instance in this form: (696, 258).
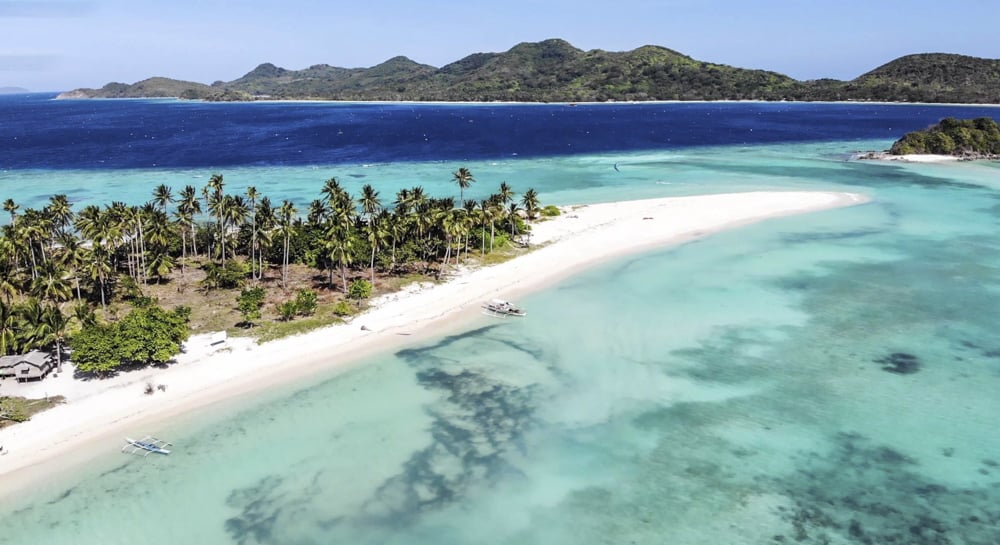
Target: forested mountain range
(555, 71)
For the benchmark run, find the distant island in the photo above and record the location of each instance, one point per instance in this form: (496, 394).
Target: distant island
(555, 71)
(948, 140)
(967, 138)
(13, 90)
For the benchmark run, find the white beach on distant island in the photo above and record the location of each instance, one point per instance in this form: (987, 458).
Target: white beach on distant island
(922, 158)
(102, 412)
(908, 158)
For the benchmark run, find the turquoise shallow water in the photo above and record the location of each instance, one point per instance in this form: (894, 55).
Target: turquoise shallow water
(745, 388)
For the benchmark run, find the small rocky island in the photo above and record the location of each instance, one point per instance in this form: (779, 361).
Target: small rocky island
(967, 139)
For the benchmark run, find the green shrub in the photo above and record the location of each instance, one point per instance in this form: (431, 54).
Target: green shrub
(287, 310)
(359, 289)
(343, 308)
(550, 211)
(249, 303)
(305, 302)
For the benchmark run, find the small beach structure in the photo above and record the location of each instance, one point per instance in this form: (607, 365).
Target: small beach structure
(33, 365)
(146, 446)
(502, 309)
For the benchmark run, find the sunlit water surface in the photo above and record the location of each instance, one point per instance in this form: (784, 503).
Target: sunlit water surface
(828, 378)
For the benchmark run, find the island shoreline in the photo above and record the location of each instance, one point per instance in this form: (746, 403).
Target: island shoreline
(56, 441)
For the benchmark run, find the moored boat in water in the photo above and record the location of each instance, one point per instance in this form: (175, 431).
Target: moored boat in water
(499, 307)
(146, 446)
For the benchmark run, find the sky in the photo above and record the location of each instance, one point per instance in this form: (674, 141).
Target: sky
(57, 45)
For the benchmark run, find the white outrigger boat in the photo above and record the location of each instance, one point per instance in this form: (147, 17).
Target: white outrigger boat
(146, 446)
(499, 307)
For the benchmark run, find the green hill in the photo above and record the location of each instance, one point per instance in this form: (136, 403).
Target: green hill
(148, 88)
(932, 77)
(555, 71)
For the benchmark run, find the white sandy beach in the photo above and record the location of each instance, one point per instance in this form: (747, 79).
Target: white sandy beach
(102, 412)
(909, 158)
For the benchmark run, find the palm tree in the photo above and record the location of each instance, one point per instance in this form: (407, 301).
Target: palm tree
(506, 194)
(318, 212)
(493, 210)
(140, 215)
(10, 206)
(377, 234)
(234, 213)
(339, 247)
(341, 210)
(160, 234)
(162, 195)
(530, 203)
(468, 222)
(189, 205)
(184, 221)
(286, 227)
(35, 228)
(331, 190)
(87, 222)
(60, 211)
(8, 328)
(9, 268)
(51, 283)
(369, 202)
(34, 329)
(252, 195)
(8, 285)
(84, 315)
(160, 264)
(71, 257)
(371, 206)
(463, 177)
(99, 266)
(484, 215)
(57, 323)
(265, 224)
(213, 200)
(402, 207)
(158, 230)
(512, 218)
(449, 220)
(403, 202)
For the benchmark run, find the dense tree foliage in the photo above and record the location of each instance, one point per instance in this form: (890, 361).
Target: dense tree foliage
(146, 335)
(555, 71)
(965, 137)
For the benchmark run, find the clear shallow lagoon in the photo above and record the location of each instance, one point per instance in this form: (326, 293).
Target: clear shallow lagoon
(738, 389)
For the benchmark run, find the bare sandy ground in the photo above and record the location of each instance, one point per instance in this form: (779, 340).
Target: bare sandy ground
(99, 412)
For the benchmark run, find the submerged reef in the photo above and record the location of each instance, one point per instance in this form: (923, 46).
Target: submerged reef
(478, 420)
(873, 495)
(900, 363)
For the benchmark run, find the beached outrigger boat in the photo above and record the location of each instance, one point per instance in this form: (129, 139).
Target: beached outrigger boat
(499, 307)
(146, 446)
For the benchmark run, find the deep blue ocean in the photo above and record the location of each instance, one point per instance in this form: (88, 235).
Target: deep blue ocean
(826, 378)
(37, 132)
